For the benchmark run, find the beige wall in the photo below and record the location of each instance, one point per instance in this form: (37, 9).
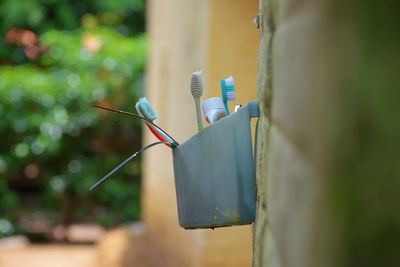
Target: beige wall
(219, 38)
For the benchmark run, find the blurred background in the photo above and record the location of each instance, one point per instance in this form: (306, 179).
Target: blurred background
(325, 74)
(58, 57)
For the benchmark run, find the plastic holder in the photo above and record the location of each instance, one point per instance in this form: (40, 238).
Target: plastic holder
(214, 173)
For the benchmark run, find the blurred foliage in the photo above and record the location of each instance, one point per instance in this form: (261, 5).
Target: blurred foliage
(40, 16)
(54, 146)
(367, 171)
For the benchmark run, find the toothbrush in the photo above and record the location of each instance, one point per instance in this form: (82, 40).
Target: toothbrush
(196, 88)
(227, 91)
(144, 109)
(171, 141)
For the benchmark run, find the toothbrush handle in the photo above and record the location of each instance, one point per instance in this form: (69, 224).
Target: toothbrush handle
(198, 113)
(156, 134)
(226, 107)
(223, 94)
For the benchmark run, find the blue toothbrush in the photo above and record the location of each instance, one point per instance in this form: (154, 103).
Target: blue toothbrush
(227, 91)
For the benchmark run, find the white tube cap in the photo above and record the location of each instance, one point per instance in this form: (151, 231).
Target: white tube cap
(213, 109)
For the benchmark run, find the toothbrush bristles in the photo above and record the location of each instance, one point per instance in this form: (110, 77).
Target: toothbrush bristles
(229, 89)
(229, 81)
(230, 95)
(196, 84)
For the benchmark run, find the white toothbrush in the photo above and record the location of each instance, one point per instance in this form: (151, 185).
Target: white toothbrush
(196, 88)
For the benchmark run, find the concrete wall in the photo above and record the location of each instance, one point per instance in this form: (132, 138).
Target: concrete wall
(219, 38)
(328, 136)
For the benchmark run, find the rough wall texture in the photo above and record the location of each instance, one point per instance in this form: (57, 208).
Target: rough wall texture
(327, 150)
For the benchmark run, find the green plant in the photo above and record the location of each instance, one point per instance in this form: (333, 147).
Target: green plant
(54, 146)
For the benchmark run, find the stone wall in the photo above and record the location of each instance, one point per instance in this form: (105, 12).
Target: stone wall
(328, 146)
